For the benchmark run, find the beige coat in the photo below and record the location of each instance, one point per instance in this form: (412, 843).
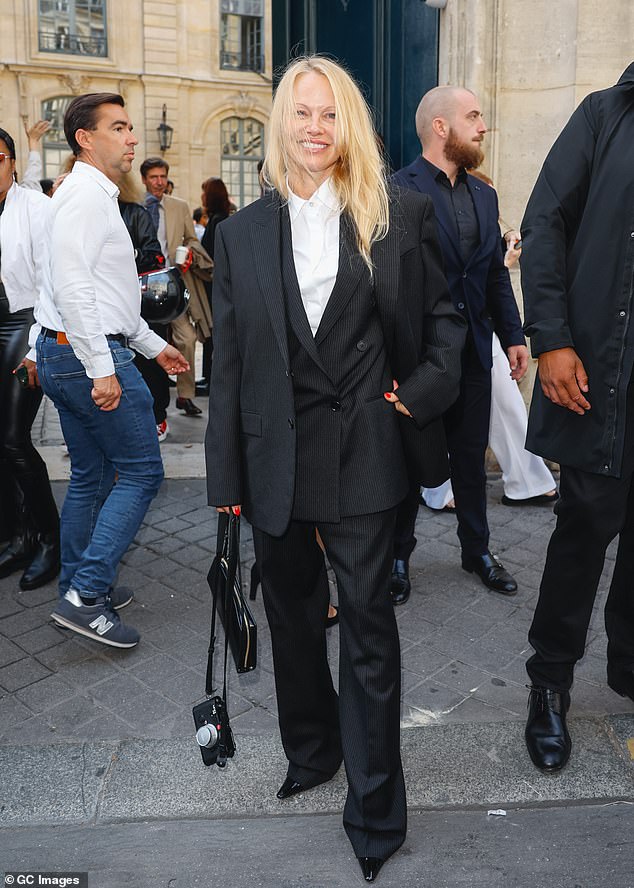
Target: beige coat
(179, 227)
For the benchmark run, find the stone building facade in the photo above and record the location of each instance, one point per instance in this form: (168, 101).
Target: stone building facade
(531, 63)
(207, 61)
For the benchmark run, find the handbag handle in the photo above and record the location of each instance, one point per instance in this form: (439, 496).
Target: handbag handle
(227, 548)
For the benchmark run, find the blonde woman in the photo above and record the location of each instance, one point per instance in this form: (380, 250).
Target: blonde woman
(335, 345)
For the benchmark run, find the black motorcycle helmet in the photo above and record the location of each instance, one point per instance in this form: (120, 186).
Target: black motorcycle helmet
(164, 296)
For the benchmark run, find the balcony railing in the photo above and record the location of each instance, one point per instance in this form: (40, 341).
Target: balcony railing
(72, 44)
(242, 61)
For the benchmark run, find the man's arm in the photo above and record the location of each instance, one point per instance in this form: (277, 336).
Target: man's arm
(552, 216)
(500, 298)
(33, 171)
(78, 232)
(550, 222)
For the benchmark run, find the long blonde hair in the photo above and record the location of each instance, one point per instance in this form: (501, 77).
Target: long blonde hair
(358, 178)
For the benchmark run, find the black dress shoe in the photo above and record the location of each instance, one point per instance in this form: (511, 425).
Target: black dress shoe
(44, 567)
(17, 555)
(188, 406)
(400, 585)
(542, 499)
(621, 681)
(370, 867)
(547, 738)
(491, 571)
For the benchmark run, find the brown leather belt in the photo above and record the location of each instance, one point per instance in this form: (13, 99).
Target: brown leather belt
(62, 339)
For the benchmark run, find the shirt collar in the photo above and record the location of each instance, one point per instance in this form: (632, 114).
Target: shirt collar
(85, 169)
(441, 176)
(325, 196)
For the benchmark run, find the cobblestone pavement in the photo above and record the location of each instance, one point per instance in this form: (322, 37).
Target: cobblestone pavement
(463, 647)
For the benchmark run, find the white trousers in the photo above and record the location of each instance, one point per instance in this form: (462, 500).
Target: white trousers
(523, 474)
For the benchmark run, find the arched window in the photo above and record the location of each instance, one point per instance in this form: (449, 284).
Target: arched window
(73, 27)
(242, 142)
(54, 145)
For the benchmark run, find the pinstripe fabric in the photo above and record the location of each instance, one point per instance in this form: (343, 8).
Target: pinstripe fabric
(359, 549)
(299, 429)
(251, 437)
(339, 377)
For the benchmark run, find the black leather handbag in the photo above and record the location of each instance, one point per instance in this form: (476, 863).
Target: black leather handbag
(225, 582)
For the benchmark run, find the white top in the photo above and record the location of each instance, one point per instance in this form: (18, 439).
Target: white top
(94, 282)
(23, 244)
(33, 172)
(315, 234)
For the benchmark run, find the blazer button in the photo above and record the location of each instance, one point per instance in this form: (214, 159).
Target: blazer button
(461, 305)
(335, 406)
(362, 345)
(291, 424)
(464, 274)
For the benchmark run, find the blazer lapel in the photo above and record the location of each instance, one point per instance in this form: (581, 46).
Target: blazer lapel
(265, 245)
(351, 267)
(296, 312)
(426, 183)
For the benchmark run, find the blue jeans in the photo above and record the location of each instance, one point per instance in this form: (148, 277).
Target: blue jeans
(101, 516)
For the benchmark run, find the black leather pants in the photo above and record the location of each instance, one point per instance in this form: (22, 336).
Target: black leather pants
(25, 485)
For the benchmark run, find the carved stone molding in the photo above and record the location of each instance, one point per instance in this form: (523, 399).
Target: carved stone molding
(76, 83)
(23, 87)
(243, 104)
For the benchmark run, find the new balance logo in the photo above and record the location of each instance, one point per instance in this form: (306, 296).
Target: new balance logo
(101, 625)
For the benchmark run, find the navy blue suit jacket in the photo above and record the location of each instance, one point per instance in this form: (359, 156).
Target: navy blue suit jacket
(480, 288)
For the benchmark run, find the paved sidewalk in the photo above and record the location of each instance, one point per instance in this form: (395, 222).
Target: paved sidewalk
(91, 736)
(463, 647)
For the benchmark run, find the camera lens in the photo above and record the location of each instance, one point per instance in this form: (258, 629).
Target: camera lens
(207, 736)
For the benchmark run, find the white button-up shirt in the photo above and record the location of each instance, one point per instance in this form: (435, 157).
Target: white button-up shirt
(315, 235)
(94, 289)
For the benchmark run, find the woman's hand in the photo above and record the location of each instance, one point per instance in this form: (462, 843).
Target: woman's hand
(393, 398)
(229, 509)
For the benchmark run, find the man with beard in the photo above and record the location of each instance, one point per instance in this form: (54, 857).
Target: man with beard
(451, 128)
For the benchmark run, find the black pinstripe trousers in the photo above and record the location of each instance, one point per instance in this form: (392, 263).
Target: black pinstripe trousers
(364, 724)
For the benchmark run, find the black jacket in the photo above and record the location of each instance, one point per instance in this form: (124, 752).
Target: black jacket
(480, 288)
(251, 442)
(147, 250)
(577, 267)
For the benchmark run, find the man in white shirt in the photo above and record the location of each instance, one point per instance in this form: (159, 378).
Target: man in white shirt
(90, 320)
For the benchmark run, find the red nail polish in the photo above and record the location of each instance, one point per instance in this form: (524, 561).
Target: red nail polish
(236, 511)
(387, 395)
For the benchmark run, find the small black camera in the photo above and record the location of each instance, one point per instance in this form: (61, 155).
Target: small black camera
(213, 731)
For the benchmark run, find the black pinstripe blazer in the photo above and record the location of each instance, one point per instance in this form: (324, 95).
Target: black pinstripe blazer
(251, 439)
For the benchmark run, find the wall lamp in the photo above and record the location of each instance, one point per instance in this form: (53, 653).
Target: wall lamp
(165, 132)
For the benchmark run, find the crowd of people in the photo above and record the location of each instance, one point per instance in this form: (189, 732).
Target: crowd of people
(362, 322)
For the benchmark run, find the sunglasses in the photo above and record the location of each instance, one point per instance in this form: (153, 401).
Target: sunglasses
(4, 157)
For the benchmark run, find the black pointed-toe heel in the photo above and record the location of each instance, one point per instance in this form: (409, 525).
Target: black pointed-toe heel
(370, 867)
(289, 788)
